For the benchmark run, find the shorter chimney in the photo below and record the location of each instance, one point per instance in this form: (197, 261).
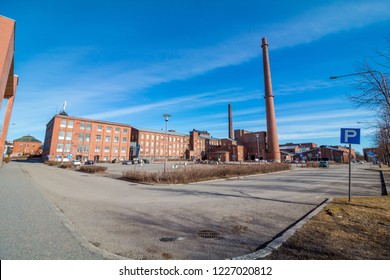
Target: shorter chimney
(231, 132)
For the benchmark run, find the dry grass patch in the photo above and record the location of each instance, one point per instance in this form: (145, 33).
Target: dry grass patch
(202, 173)
(92, 169)
(343, 230)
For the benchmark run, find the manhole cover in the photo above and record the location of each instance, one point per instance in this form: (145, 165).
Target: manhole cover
(208, 233)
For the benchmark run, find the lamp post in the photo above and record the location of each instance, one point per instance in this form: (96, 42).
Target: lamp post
(166, 116)
(385, 88)
(257, 144)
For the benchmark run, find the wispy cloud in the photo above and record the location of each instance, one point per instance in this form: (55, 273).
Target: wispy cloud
(322, 21)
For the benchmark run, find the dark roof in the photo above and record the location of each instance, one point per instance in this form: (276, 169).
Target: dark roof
(27, 138)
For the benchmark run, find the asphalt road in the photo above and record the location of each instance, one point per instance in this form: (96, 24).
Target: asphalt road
(173, 222)
(31, 227)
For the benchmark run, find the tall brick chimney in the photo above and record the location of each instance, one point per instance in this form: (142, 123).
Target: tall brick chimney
(273, 151)
(231, 132)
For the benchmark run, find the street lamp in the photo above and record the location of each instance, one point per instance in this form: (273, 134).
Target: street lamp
(386, 89)
(166, 116)
(258, 148)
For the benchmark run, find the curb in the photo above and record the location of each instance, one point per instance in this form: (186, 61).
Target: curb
(282, 237)
(383, 181)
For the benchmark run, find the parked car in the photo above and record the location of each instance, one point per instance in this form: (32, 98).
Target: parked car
(127, 162)
(76, 162)
(89, 162)
(324, 164)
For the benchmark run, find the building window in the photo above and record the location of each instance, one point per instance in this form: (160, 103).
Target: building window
(82, 126)
(116, 139)
(67, 148)
(106, 149)
(63, 123)
(147, 136)
(142, 136)
(124, 139)
(69, 136)
(81, 137)
(116, 149)
(123, 150)
(117, 129)
(70, 124)
(89, 126)
(86, 149)
(79, 148)
(60, 147)
(125, 130)
(61, 135)
(105, 158)
(97, 149)
(88, 137)
(98, 138)
(99, 128)
(108, 129)
(108, 138)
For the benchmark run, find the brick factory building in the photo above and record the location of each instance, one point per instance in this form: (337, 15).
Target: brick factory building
(331, 153)
(228, 151)
(26, 145)
(200, 143)
(86, 139)
(254, 143)
(8, 81)
(155, 144)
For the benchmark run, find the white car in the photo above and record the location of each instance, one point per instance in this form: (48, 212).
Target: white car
(76, 162)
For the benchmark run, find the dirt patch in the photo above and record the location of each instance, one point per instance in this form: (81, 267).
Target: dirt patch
(359, 229)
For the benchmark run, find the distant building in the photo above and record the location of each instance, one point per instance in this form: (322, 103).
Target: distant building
(26, 145)
(200, 143)
(155, 145)
(372, 154)
(254, 144)
(229, 150)
(329, 153)
(69, 138)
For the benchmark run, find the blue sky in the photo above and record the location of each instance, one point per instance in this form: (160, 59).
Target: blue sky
(132, 61)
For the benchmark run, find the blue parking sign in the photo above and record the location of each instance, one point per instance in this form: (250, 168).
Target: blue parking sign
(350, 136)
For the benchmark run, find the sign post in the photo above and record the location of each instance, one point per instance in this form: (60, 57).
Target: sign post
(350, 136)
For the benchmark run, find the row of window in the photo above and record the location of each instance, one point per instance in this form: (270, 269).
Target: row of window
(161, 137)
(179, 146)
(88, 126)
(87, 137)
(86, 148)
(158, 152)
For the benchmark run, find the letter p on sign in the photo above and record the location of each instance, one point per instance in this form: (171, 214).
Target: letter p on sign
(350, 136)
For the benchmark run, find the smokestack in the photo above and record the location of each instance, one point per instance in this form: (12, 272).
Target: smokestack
(231, 132)
(272, 134)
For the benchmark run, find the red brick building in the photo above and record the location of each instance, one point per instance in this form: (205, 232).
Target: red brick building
(200, 143)
(155, 145)
(228, 151)
(255, 145)
(8, 81)
(331, 153)
(86, 139)
(26, 145)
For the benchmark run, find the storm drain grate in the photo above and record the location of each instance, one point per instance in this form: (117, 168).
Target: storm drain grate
(208, 233)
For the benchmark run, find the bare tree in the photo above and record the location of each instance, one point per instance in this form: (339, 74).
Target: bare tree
(382, 137)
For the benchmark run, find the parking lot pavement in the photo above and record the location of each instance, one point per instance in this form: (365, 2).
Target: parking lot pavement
(211, 220)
